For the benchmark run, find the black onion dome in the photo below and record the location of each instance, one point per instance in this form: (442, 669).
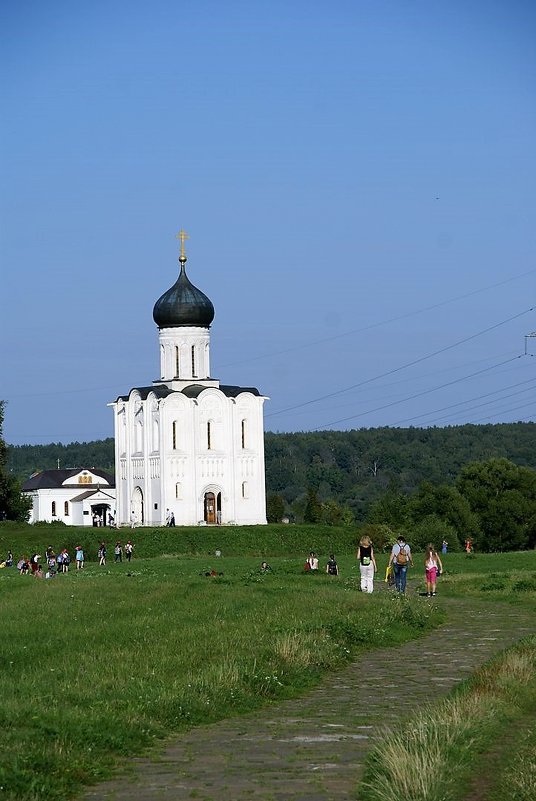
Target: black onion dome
(183, 304)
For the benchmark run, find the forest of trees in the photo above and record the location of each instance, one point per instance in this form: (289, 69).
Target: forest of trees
(445, 480)
(355, 468)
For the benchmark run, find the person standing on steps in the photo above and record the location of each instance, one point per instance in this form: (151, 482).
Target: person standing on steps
(433, 567)
(367, 564)
(400, 559)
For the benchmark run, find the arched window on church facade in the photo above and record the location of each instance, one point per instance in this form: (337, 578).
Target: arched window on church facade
(174, 435)
(139, 434)
(122, 431)
(53, 508)
(243, 433)
(178, 491)
(209, 435)
(138, 427)
(66, 508)
(156, 426)
(177, 361)
(194, 366)
(245, 489)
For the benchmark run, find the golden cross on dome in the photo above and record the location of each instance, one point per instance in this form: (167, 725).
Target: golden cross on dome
(182, 235)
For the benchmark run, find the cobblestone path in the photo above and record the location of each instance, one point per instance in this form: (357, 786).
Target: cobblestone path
(312, 748)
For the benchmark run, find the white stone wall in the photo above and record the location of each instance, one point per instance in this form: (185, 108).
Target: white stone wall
(172, 451)
(43, 499)
(184, 353)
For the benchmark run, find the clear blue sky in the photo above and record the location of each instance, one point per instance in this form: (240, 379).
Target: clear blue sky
(357, 179)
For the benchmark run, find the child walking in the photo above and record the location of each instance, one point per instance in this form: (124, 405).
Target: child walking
(432, 564)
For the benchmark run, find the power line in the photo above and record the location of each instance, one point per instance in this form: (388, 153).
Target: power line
(416, 395)
(380, 395)
(462, 403)
(480, 405)
(376, 324)
(504, 411)
(403, 366)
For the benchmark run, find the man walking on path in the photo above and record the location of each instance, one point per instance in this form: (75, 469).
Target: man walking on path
(400, 559)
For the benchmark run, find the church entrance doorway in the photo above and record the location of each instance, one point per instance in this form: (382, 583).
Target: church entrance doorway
(100, 514)
(212, 508)
(137, 514)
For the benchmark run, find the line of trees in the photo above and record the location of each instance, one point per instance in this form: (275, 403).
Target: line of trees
(451, 483)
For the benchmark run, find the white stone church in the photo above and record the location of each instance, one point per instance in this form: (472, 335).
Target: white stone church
(188, 445)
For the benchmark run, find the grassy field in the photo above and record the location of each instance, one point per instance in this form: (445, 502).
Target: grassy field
(101, 663)
(508, 577)
(478, 743)
(281, 540)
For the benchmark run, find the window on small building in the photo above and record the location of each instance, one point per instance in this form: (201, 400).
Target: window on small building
(53, 508)
(66, 508)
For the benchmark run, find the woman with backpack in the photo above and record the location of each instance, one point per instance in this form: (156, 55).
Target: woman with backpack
(367, 563)
(400, 559)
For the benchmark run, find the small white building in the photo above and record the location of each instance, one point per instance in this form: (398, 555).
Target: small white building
(76, 497)
(188, 445)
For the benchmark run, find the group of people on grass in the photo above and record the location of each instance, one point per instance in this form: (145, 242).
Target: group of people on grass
(53, 563)
(399, 561)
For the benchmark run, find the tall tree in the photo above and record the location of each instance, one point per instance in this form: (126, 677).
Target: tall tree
(13, 506)
(313, 508)
(503, 496)
(445, 502)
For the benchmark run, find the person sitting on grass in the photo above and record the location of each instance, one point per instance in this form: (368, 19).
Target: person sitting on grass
(433, 566)
(312, 561)
(23, 566)
(265, 567)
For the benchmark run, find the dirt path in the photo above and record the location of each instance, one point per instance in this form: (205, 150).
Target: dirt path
(312, 748)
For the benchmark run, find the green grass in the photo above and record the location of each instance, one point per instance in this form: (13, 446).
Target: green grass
(282, 540)
(465, 744)
(517, 777)
(101, 663)
(507, 577)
